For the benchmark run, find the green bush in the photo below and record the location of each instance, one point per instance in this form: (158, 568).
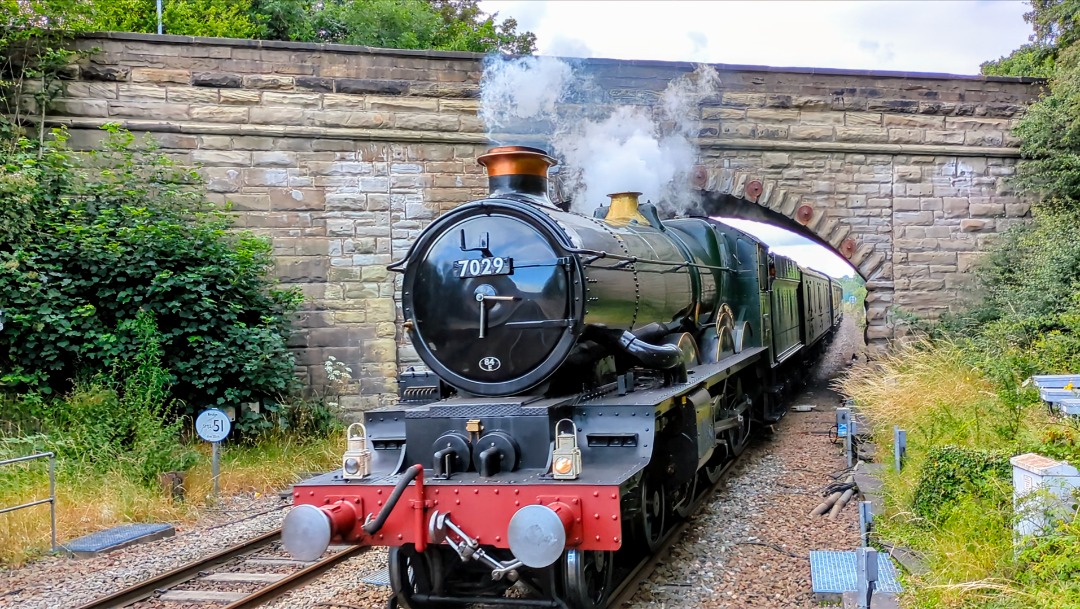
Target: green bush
(952, 472)
(116, 421)
(124, 231)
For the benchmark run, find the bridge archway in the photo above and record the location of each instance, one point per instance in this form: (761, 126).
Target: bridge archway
(734, 194)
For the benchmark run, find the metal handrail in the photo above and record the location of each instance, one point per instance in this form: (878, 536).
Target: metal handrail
(51, 500)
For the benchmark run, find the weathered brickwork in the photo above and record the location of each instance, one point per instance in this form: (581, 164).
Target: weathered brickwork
(342, 154)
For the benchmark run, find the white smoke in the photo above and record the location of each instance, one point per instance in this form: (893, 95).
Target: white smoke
(604, 148)
(521, 92)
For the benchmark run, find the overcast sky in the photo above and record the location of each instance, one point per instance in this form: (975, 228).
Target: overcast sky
(928, 36)
(910, 36)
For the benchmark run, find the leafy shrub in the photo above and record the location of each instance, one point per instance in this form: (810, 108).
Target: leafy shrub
(111, 421)
(952, 472)
(124, 231)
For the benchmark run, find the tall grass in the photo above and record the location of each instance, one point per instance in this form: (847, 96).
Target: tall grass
(114, 436)
(91, 498)
(941, 395)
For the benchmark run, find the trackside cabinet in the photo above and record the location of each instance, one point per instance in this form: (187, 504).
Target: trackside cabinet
(1044, 493)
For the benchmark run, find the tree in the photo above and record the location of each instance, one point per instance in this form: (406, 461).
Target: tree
(1055, 29)
(454, 25)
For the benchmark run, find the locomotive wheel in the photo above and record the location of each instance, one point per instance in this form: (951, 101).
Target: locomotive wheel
(715, 465)
(686, 498)
(740, 436)
(650, 519)
(588, 577)
(412, 573)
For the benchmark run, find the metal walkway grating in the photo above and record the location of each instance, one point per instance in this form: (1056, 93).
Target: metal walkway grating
(834, 573)
(116, 538)
(378, 577)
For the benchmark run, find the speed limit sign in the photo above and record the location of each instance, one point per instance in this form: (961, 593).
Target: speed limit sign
(212, 425)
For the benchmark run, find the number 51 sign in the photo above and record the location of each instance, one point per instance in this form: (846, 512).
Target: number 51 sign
(213, 425)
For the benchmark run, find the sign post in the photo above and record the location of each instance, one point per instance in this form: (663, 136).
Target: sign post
(213, 425)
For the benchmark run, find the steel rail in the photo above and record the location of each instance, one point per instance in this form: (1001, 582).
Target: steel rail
(147, 588)
(630, 584)
(296, 580)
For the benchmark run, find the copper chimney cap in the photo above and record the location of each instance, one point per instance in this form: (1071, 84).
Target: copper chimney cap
(516, 160)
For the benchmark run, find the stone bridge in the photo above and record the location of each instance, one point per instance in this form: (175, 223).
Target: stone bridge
(342, 154)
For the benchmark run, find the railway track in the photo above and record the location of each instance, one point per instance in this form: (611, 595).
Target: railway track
(225, 568)
(630, 584)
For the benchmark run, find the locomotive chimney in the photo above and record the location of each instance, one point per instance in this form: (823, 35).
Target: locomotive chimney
(517, 170)
(624, 209)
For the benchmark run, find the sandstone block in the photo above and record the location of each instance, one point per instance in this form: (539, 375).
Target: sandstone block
(775, 159)
(905, 121)
(905, 106)
(315, 83)
(296, 199)
(269, 81)
(192, 95)
(862, 134)
(862, 119)
(256, 176)
(129, 92)
(743, 100)
(220, 80)
(339, 228)
(375, 273)
(427, 122)
(273, 158)
(976, 124)
(160, 111)
(92, 90)
(356, 119)
(382, 309)
(944, 137)
(467, 106)
(971, 225)
(363, 85)
(905, 136)
(220, 114)
(983, 138)
(301, 269)
(81, 107)
(278, 115)
(239, 96)
(221, 179)
(106, 73)
(766, 115)
(983, 210)
(247, 202)
(160, 75)
(228, 158)
(404, 104)
(811, 133)
(901, 204)
(932, 257)
(925, 218)
(345, 201)
(275, 98)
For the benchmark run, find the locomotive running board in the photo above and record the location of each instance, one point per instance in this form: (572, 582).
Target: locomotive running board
(705, 375)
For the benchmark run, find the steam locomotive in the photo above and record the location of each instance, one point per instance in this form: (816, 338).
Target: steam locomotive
(589, 377)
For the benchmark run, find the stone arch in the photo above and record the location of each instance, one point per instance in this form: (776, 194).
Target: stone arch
(742, 194)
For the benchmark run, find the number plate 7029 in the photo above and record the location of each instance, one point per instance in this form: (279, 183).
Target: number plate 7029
(480, 267)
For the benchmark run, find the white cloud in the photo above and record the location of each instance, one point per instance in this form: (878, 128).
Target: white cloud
(953, 37)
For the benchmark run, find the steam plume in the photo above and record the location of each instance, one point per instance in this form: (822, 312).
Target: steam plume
(603, 147)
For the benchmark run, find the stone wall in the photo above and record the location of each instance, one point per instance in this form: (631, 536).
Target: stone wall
(342, 154)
